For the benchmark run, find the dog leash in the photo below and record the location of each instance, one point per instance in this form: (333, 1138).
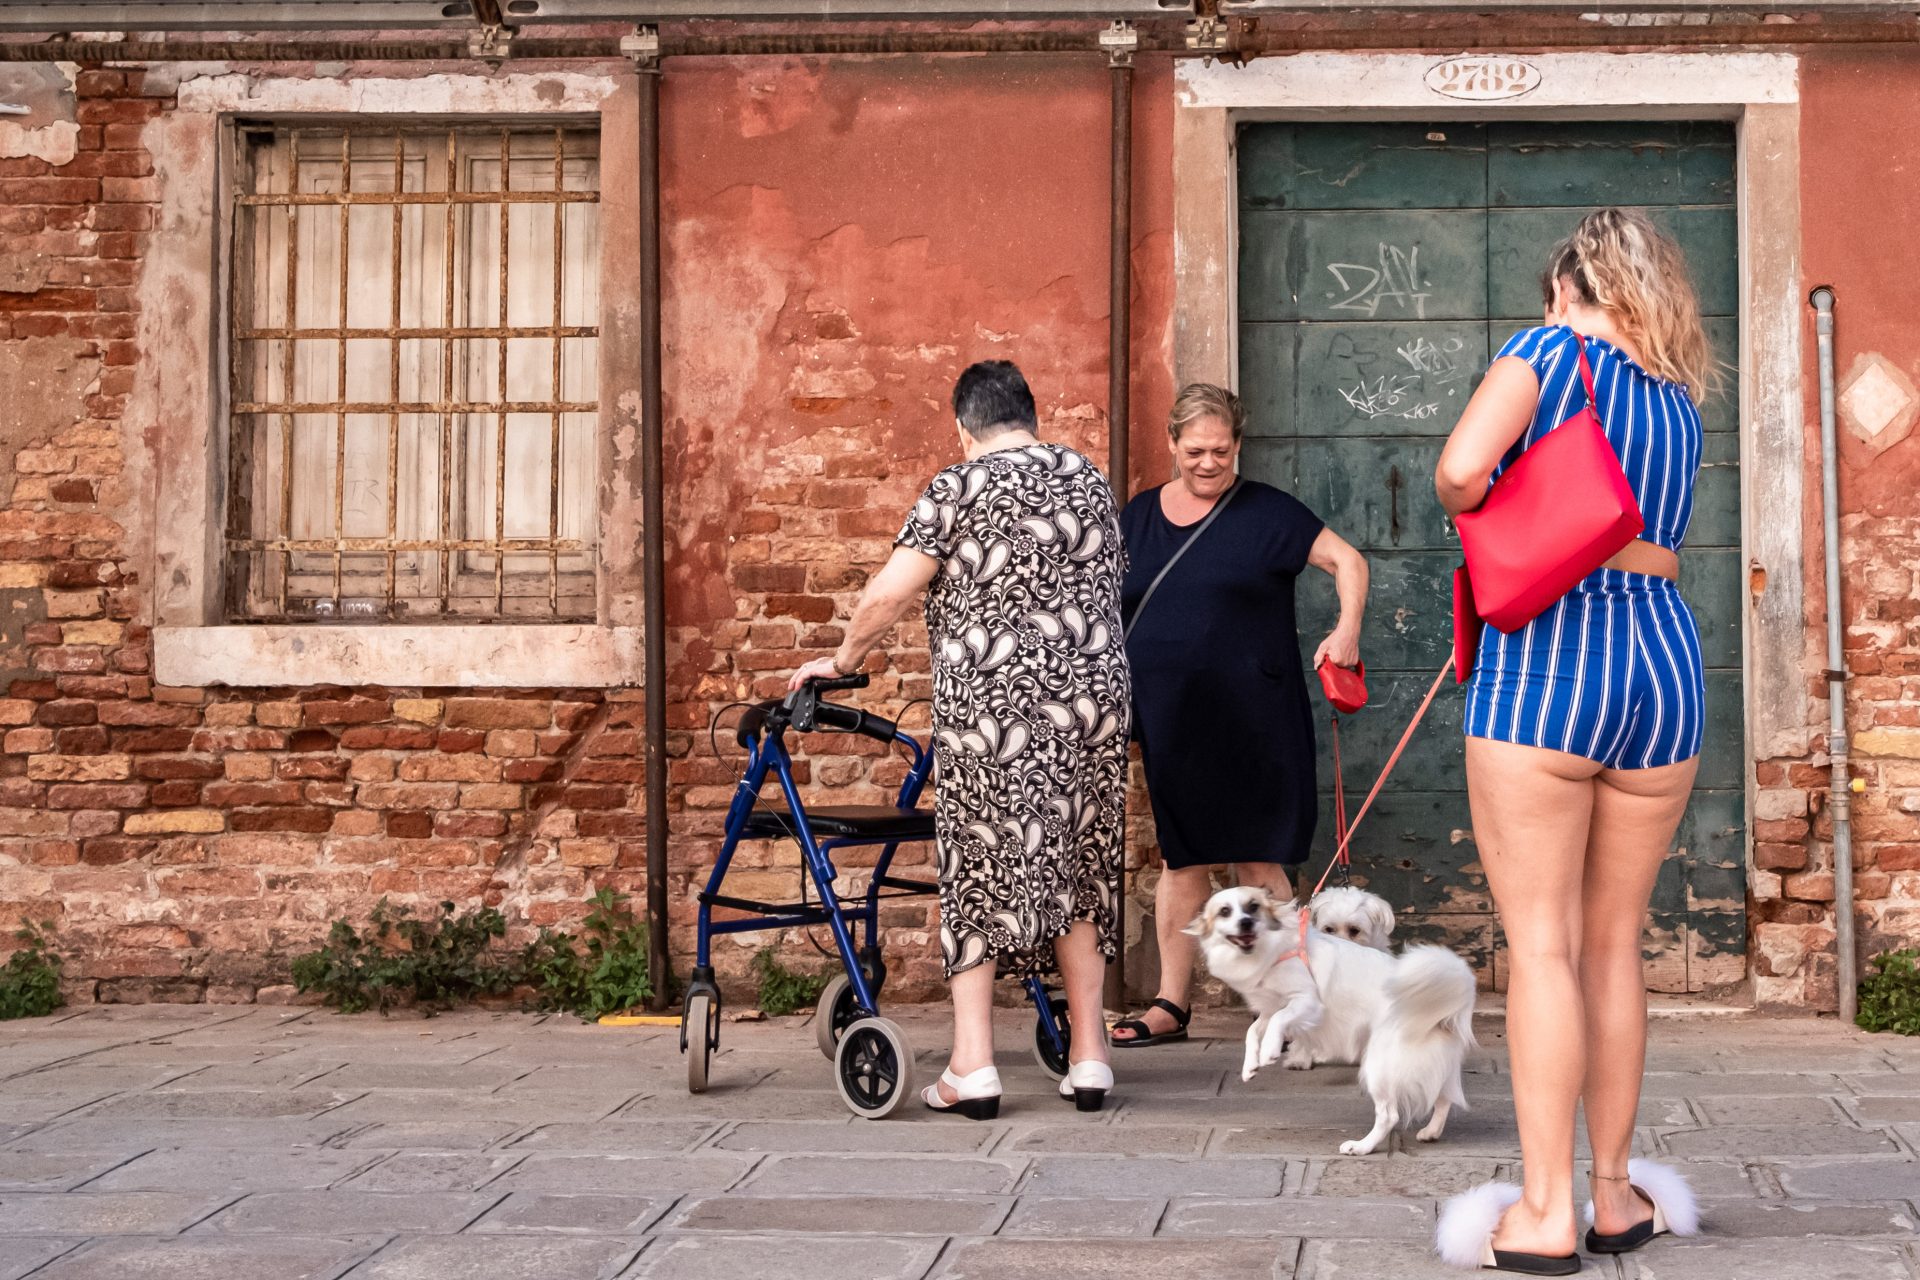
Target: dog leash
(1341, 854)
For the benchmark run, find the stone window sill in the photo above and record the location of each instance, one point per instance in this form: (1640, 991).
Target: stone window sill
(506, 656)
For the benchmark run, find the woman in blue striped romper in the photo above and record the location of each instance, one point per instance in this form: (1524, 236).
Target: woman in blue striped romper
(1583, 735)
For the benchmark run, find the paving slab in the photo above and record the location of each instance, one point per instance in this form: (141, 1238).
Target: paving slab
(882, 1175)
(1318, 1217)
(1010, 1259)
(1128, 1140)
(22, 1254)
(853, 1136)
(631, 1136)
(235, 1172)
(222, 1104)
(1755, 1219)
(1419, 1177)
(103, 1213)
(1758, 1142)
(1773, 1259)
(1156, 1177)
(1758, 1110)
(579, 1214)
(771, 1258)
(1257, 1140)
(1393, 1260)
(1867, 1179)
(54, 1170)
(306, 1212)
(545, 1257)
(434, 1171)
(431, 1135)
(95, 1133)
(1072, 1216)
(942, 1215)
(284, 1257)
(622, 1173)
(1884, 1108)
(517, 1109)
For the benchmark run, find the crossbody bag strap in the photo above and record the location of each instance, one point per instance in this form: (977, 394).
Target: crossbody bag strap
(1160, 577)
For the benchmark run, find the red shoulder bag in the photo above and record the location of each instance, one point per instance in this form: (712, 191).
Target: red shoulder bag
(1563, 509)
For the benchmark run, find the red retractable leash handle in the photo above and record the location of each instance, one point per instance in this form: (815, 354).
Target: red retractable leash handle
(1340, 853)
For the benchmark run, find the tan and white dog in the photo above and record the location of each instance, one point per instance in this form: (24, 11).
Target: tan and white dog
(1408, 1019)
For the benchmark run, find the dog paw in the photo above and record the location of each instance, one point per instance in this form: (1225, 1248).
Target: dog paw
(1431, 1133)
(1357, 1147)
(1248, 1073)
(1295, 1061)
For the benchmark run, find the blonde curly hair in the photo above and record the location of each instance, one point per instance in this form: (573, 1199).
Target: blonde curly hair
(1617, 260)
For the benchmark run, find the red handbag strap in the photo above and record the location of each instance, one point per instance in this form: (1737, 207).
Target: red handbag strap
(1586, 370)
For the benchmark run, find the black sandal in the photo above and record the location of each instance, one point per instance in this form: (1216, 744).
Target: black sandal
(1142, 1035)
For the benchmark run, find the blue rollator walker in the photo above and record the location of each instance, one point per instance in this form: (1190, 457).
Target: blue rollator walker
(872, 1063)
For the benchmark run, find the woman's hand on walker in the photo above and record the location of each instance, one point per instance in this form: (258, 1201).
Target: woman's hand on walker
(1342, 648)
(818, 669)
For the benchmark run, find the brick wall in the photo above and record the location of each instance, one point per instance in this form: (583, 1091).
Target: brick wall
(187, 842)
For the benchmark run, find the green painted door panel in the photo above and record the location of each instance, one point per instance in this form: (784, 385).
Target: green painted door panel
(1518, 241)
(1367, 378)
(1375, 266)
(1381, 265)
(1682, 162)
(1373, 166)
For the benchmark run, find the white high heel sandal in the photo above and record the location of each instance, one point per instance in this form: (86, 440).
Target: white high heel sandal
(1087, 1084)
(1674, 1209)
(976, 1094)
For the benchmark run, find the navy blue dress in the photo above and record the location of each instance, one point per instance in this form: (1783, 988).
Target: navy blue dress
(1219, 687)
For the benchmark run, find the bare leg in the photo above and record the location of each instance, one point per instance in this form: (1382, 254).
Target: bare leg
(972, 1023)
(1083, 971)
(1531, 810)
(1635, 812)
(1270, 876)
(1177, 899)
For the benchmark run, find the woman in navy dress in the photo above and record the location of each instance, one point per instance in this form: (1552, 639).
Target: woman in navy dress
(1220, 693)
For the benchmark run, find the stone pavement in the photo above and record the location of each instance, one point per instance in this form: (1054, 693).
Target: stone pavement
(171, 1142)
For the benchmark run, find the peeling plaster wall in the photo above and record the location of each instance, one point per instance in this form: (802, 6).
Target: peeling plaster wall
(1860, 198)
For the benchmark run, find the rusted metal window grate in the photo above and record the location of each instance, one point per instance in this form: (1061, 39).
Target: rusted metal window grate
(414, 374)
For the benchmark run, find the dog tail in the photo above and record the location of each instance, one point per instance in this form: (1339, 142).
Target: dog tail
(1432, 991)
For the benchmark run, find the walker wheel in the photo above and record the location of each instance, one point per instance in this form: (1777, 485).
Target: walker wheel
(834, 1013)
(700, 1036)
(1052, 1062)
(873, 1068)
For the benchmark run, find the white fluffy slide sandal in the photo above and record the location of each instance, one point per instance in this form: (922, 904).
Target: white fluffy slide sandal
(1675, 1210)
(1464, 1237)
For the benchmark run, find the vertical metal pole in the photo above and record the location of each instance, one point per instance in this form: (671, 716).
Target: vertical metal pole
(653, 535)
(1119, 372)
(1839, 790)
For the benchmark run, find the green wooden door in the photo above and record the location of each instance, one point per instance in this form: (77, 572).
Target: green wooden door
(1380, 264)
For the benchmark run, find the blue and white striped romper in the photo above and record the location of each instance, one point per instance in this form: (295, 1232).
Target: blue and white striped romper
(1611, 671)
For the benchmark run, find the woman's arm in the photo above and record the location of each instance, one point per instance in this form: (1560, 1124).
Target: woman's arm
(890, 593)
(1496, 416)
(1339, 557)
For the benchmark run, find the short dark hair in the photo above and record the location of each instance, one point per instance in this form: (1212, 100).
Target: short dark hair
(992, 397)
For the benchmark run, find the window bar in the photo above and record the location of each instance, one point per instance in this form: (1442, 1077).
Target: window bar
(340, 423)
(500, 438)
(446, 386)
(559, 293)
(393, 377)
(287, 371)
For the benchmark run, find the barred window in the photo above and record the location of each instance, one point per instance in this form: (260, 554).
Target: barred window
(414, 379)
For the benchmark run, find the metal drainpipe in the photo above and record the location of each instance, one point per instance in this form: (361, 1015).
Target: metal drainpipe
(653, 531)
(1121, 41)
(1839, 789)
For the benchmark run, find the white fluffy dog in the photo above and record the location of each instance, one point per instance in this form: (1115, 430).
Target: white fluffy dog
(1407, 1019)
(1353, 914)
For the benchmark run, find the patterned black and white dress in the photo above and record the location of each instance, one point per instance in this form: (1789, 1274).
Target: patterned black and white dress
(1031, 699)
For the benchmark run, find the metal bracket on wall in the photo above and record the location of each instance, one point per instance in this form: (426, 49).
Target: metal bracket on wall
(642, 45)
(490, 44)
(1207, 36)
(1120, 41)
